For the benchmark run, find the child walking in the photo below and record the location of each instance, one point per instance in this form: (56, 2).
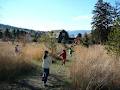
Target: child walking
(63, 55)
(46, 66)
(70, 51)
(17, 49)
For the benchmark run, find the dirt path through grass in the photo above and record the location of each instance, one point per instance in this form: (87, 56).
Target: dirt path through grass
(58, 80)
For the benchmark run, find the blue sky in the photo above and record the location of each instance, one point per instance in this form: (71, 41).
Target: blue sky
(48, 14)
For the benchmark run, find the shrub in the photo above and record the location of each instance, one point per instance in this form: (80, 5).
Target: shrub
(113, 44)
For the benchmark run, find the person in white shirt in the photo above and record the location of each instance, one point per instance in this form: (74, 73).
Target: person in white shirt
(46, 66)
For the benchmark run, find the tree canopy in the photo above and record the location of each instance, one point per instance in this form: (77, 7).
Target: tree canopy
(102, 21)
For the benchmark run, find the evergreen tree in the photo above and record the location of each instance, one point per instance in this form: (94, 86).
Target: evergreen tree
(116, 10)
(63, 37)
(79, 35)
(102, 20)
(7, 33)
(17, 34)
(86, 40)
(36, 37)
(113, 44)
(14, 34)
(1, 35)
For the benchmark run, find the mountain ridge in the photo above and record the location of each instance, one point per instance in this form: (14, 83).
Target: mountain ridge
(72, 33)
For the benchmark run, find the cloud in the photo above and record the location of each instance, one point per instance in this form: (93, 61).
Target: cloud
(83, 17)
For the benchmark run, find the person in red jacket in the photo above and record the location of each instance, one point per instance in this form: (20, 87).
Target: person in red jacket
(63, 55)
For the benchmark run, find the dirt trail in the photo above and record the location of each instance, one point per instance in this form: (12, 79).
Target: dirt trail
(56, 81)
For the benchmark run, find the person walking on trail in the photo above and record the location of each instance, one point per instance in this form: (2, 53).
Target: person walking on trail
(63, 56)
(70, 51)
(46, 66)
(17, 49)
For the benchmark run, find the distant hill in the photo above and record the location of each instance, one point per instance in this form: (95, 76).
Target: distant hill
(75, 32)
(3, 27)
(72, 33)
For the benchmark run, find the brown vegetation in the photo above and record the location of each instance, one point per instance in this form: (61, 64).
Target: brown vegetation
(13, 65)
(93, 69)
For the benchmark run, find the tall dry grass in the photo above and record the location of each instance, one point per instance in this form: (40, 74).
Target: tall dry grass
(13, 65)
(93, 69)
(34, 51)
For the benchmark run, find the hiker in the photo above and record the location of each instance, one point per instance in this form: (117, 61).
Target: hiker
(46, 66)
(63, 56)
(17, 49)
(70, 51)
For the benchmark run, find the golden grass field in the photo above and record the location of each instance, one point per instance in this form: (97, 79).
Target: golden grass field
(13, 65)
(93, 69)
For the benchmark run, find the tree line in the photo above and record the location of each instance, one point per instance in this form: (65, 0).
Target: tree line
(106, 25)
(17, 35)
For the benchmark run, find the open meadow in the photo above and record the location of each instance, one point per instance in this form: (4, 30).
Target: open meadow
(88, 68)
(59, 44)
(14, 64)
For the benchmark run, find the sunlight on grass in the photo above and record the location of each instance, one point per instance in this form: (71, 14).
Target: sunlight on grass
(13, 65)
(94, 69)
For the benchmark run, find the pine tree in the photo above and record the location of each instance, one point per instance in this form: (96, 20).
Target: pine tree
(102, 20)
(18, 34)
(14, 34)
(116, 10)
(7, 33)
(79, 35)
(86, 40)
(63, 37)
(113, 44)
(1, 34)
